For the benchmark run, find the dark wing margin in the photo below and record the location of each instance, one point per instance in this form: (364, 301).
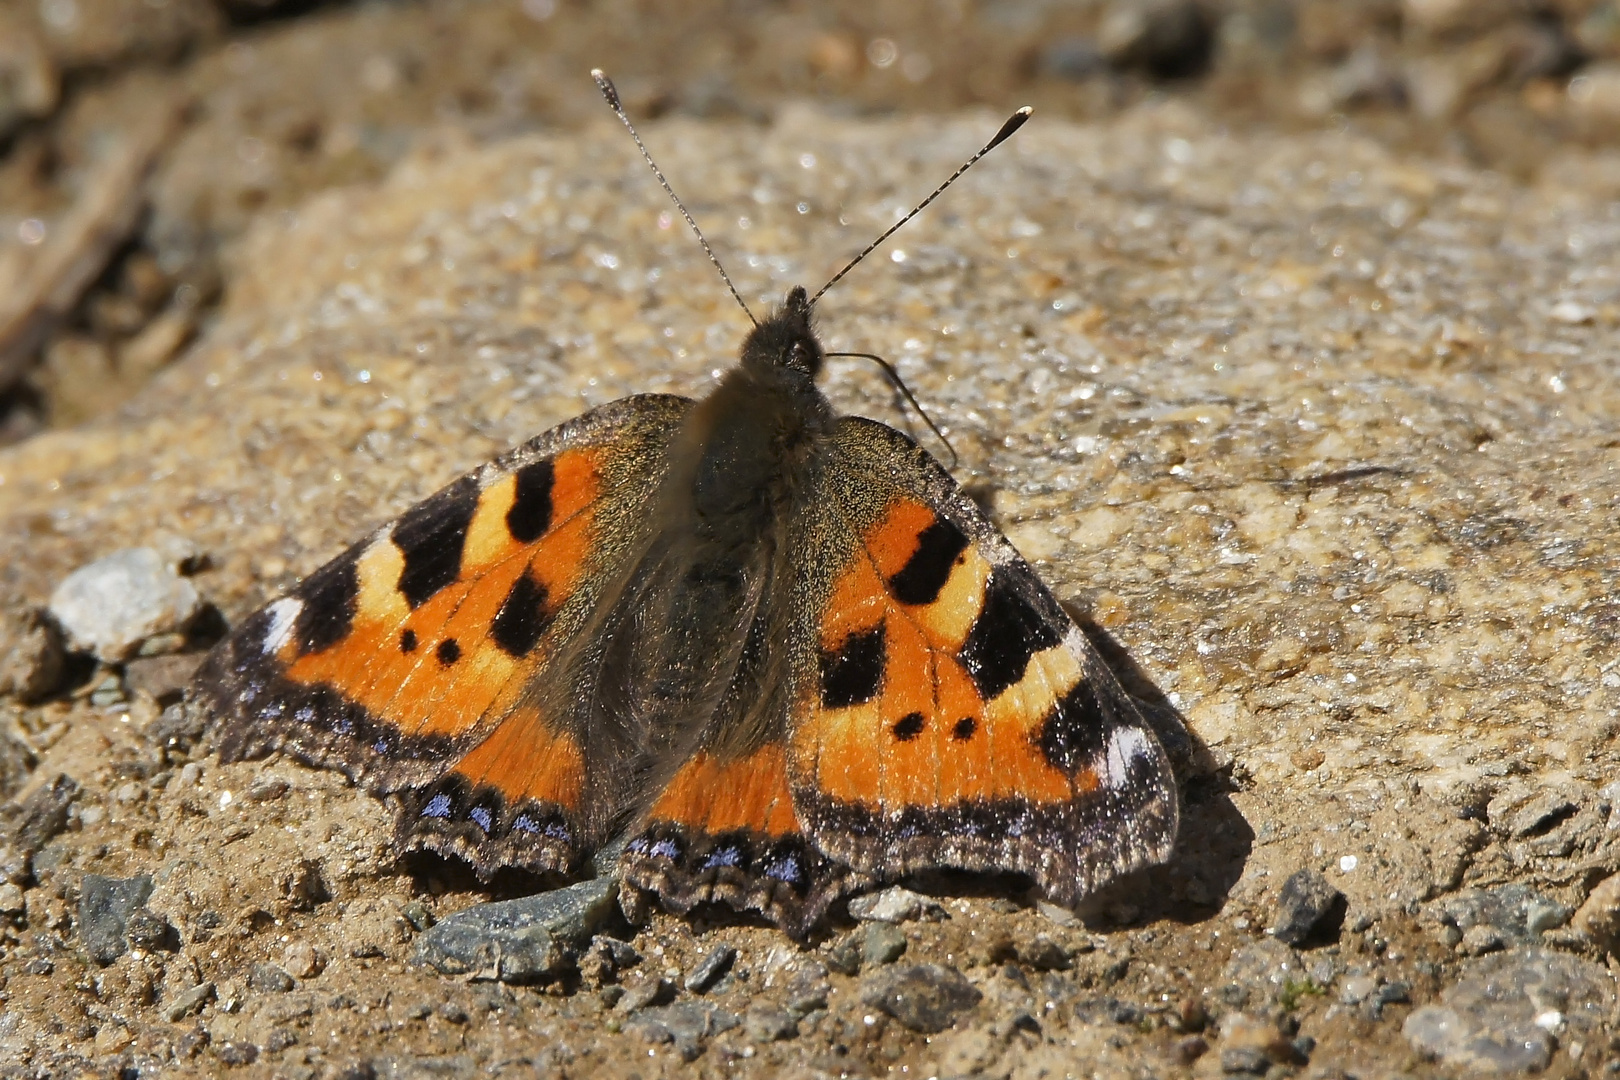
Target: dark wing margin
(407, 661)
(991, 736)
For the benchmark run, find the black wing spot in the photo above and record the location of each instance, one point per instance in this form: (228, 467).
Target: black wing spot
(1071, 736)
(431, 535)
(964, 729)
(530, 515)
(407, 641)
(929, 568)
(852, 673)
(448, 652)
(1006, 634)
(330, 599)
(517, 626)
(908, 727)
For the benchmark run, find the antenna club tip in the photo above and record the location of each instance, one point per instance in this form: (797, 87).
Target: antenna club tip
(1024, 112)
(605, 84)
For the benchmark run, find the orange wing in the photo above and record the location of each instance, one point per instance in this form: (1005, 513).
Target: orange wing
(946, 711)
(412, 659)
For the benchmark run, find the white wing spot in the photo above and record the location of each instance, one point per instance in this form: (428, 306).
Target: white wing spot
(283, 614)
(1126, 746)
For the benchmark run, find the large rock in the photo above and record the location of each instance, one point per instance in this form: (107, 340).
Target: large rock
(1509, 1011)
(520, 941)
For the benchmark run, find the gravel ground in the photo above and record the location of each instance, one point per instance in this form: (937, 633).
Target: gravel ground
(1322, 439)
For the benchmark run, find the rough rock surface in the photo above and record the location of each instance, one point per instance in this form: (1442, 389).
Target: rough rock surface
(1508, 1013)
(119, 602)
(1322, 439)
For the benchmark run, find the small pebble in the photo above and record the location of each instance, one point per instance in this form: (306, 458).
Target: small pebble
(646, 994)
(269, 979)
(844, 956)
(1060, 916)
(417, 914)
(1355, 989)
(114, 604)
(268, 788)
(926, 998)
(895, 905)
(1308, 908)
(885, 943)
(766, 1024)
(1244, 1061)
(105, 907)
(11, 899)
(302, 960)
(1044, 954)
(237, 1053)
(150, 931)
(188, 1002)
(161, 677)
(1189, 1049)
(710, 969)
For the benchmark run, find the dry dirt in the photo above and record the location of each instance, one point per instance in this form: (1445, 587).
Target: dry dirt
(1322, 437)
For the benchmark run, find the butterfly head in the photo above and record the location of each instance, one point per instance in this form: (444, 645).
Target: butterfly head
(785, 342)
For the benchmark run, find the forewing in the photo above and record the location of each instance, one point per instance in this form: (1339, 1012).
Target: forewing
(946, 711)
(410, 661)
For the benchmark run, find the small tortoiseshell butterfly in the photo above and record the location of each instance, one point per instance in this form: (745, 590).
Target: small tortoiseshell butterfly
(775, 651)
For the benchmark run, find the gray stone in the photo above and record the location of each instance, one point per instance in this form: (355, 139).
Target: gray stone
(162, 678)
(11, 899)
(885, 943)
(606, 958)
(1540, 813)
(237, 1053)
(269, 979)
(765, 1024)
(1357, 988)
(44, 814)
(688, 1025)
(1309, 907)
(1045, 954)
(188, 1002)
(1506, 915)
(526, 940)
(105, 906)
(807, 990)
(1503, 1014)
(1245, 1061)
(1108, 1010)
(645, 995)
(924, 997)
(1260, 971)
(895, 905)
(711, 969)
(114, 604)
(844, 956)
(148, 930)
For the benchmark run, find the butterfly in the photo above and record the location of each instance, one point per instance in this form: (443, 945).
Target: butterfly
(775, 653)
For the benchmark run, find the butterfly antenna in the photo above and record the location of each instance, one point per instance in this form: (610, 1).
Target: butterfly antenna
(900, 385)
(611, 93)
(1014, 122)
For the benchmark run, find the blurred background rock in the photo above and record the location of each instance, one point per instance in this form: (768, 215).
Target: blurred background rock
(138, 137)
